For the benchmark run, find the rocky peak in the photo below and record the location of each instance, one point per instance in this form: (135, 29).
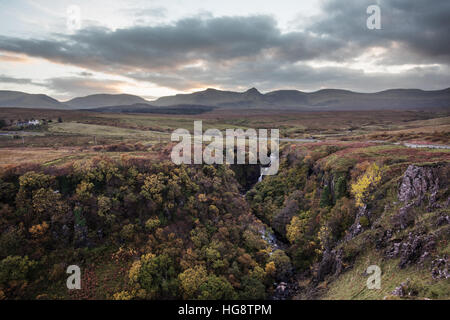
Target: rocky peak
(252, 92)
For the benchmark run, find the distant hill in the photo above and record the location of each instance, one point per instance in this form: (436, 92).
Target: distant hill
(147, 108)
(104, 100)
(19, 99)
(204, 101)
(327, 99)
(213, 97)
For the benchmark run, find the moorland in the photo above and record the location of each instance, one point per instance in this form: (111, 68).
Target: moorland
(96, 188)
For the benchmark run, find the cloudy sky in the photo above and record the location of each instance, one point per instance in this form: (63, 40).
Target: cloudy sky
(154, 48)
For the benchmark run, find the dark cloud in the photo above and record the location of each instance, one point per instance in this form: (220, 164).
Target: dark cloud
(85, 74)
(7, 79)
(418, 28)
(154, 48)
(253, 51)
(270, 75)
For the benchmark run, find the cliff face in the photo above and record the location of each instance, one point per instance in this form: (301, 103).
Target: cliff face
(414, 236)
(420, 187)
(343, 207)
(419, 183)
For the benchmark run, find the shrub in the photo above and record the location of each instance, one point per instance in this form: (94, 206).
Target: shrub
(364, 221)
(15, 268)
(152, 223)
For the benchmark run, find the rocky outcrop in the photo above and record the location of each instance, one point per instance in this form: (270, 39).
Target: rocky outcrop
(443, 219)
(420, 185)
(415, 249)
(357, 227)
(405, 289)
(439, 268)
(285, 290)
(383, 240)
(405, 217)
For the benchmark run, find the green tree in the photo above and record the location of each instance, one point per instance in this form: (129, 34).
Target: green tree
(156, 275)
(282, 263)
(325, 198)
(341, 187)
(7, 192)
(216, 288)
(252, 288)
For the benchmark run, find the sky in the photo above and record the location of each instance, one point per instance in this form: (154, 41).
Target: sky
(156, 48)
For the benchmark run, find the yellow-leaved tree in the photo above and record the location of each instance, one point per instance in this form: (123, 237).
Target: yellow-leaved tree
(363, 188)
(191, 280)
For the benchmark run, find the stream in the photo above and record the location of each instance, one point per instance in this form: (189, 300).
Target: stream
(284, 289)
(412, 145)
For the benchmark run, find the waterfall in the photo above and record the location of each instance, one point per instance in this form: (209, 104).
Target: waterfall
(260, 178)
(263, 170)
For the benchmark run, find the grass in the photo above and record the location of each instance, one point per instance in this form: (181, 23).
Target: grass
(49, 157)
(34, 155)
(101, 130)
(291, 123)
(352, 284)
(57, 142)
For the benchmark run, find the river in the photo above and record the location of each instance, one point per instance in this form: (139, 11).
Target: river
(284, 289)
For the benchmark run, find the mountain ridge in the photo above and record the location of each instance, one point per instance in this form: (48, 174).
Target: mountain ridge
(103, 100)
(28, 100)
(324, 99)
(321, 100)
